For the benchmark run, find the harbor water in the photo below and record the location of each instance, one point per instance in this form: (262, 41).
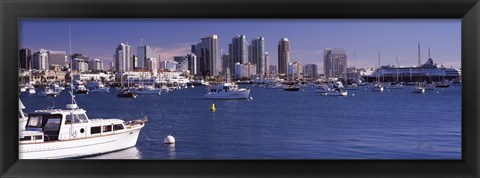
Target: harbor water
(276, 124)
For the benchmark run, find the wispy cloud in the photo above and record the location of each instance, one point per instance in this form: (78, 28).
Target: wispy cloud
(167, 53)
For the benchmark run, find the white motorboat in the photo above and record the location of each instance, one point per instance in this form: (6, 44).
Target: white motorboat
(336, 92)
(377, 87)
(418, 89)
(81, 89)
(101, 88)
(227, 91)
(147, 90)
(22, 119)
(275, 86)
(23, 89)
(49, 92)
(53, 134)
(31, 89)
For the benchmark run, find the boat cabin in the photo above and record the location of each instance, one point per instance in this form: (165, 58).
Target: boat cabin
(226, 87)
(56, 124)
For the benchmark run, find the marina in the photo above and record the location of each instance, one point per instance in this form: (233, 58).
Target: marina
(280, 124)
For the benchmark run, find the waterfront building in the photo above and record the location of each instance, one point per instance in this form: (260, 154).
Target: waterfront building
(257, 55)
(237, 51)
(192, 63)
(40, 60)
(100, 76)
(168, 66)
(79, 56)
(143, 54)
(310, 71)
(334, 62)
(272, 70)
(267, 64)
(25, 58)
(152, 64)
(226, 63)
(208, 55)
(182, 63)
(283, 55)
(243, 71)
(123, 58)
(95, 65)
(294, 71)
(57, 57)
(80, 65)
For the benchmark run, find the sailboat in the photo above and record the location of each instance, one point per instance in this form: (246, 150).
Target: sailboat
(378, 86)
(69, 133)
(397, 84)
(125, 92)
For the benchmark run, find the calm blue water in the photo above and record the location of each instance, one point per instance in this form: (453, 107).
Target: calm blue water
(394, 124)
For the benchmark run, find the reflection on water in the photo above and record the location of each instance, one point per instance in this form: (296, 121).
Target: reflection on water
(129, 153)
(171, 151)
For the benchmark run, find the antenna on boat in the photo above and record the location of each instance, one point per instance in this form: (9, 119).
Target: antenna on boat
(71, 61)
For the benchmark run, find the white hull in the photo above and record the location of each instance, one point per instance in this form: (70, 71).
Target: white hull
(32, 91)
(243, 94)
(377, 89)
(80, 147)
(344, 93)
(418, 90)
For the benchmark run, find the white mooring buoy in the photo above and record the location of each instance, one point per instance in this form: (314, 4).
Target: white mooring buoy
(169, 140)
(353, 94)
(251, 98)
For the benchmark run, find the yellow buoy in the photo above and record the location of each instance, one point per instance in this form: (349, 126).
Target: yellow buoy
(212, 107)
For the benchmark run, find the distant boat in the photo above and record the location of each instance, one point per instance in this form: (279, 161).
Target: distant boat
(377, 87)
(81, 89)
(227, 91)
(429, 86)
(126, 93)
(276, 85)
(352, 86)
(418, 89)
(291, 88)
(442, 85)
(49, 92)
(147, 90)
(337, 90)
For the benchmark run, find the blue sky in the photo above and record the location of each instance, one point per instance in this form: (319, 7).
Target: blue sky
(98, 38)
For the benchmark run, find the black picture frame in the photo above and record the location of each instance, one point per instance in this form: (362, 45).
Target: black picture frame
(12, 10)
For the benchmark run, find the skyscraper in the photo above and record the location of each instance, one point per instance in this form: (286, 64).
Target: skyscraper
(192, 63)
(123, 58)
(95, 65)
(283, 55)
(25, 58)
(237, 50)
(40, 60)
(334, 62)
(144, 53)
(310, 71)
(208, 56)
(57, 57)
(257, 55)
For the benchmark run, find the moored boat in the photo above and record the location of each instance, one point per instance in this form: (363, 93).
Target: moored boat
(227, 91)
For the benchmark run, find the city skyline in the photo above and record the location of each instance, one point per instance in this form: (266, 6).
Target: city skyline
(98, 38)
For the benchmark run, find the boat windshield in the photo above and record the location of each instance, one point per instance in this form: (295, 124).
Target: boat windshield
(78, 118)
(47, 121)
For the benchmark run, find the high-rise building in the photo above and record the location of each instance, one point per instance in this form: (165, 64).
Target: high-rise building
(95, 65)
(79, 56)
(294, 70)
(208, 56)
(143, 54)
(247, 70)
(192, 63)
(257, 55)
(40, 60)
(226, 62)
(57, 57)
(283, 55)
(152, 64)
(25, 58)
(267, 64)
(272, 70)
(182, 63)
(237, 50)
(123, 58)
(334, 62)
(80, 65)
(310, 71)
